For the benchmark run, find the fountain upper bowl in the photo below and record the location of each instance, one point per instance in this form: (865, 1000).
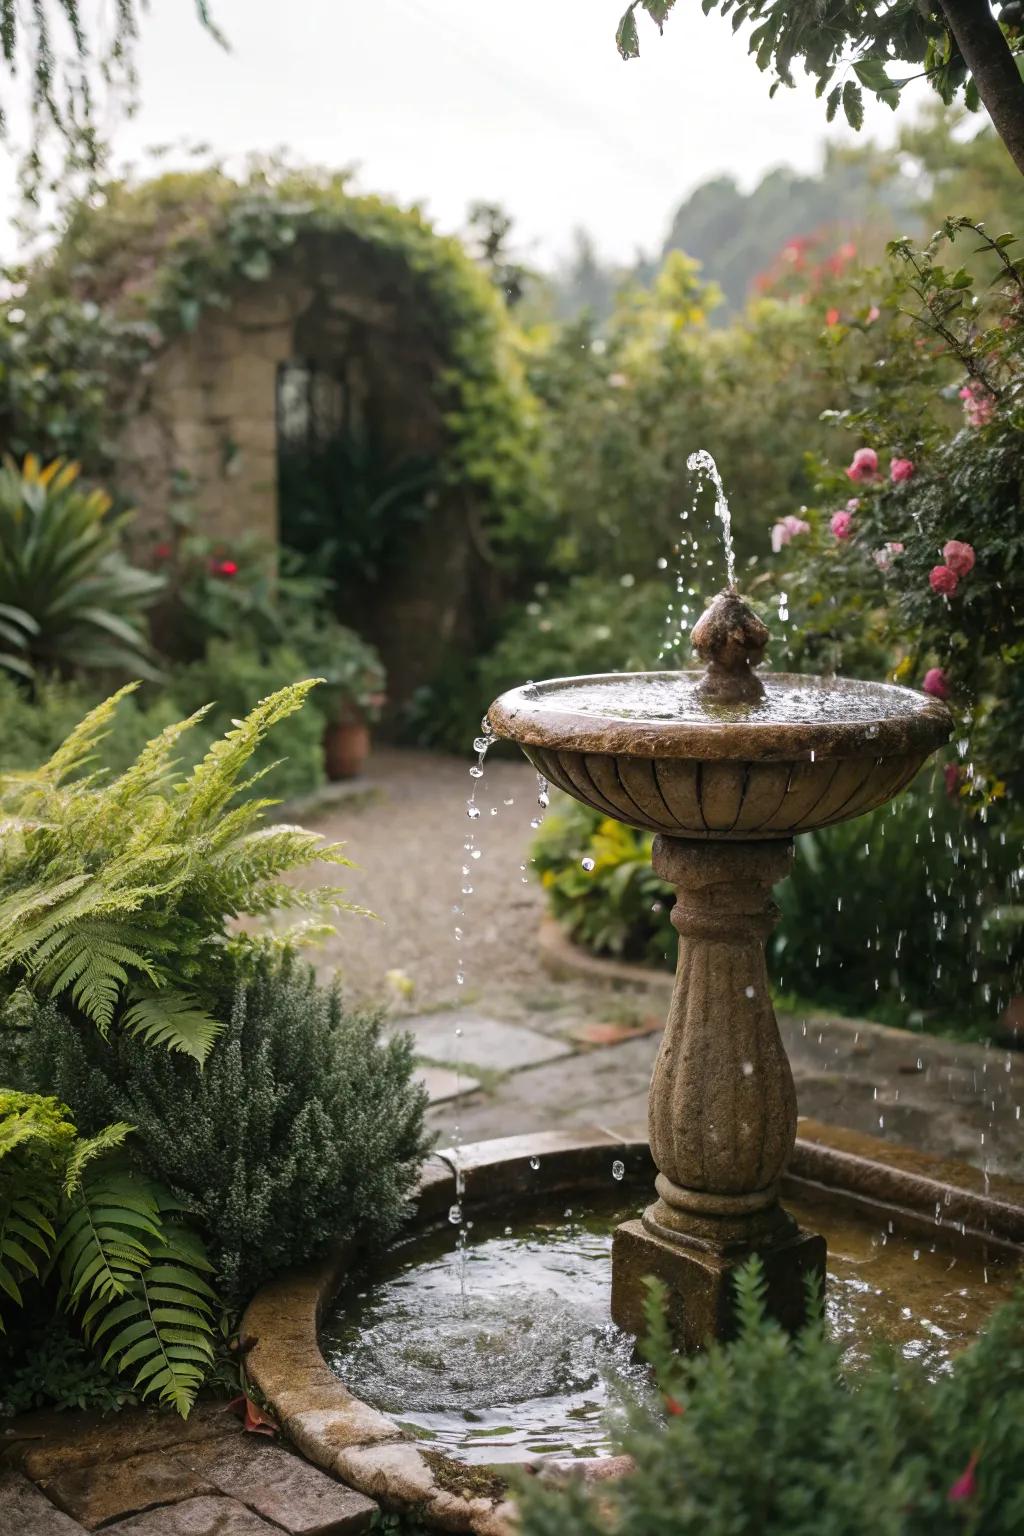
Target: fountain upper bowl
(646, 748)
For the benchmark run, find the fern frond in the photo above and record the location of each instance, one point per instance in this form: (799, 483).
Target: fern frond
(104, 1245)
(154, 763)
(88, 1148)
(77, 748)
(175, 1020)
(215, 779)
(164, 1326)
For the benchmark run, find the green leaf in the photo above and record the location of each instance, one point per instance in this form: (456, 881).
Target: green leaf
(626, 38)
(853, 105)
(175, 1020)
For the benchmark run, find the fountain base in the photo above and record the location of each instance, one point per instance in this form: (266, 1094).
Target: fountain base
(699, 1279)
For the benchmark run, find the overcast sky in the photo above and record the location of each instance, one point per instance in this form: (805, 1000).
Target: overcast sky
(524, 102)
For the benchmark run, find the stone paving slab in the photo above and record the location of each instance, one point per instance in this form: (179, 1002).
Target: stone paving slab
(113, 1490)
(282, 1487)
(45, 1444)
(484, 1042)
(196, 1517)
(958, 1101)
(442, 1084)
(24, 1511)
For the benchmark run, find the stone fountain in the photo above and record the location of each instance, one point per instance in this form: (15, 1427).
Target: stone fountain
(725, 767)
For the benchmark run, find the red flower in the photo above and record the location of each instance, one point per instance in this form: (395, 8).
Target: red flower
(831, 317)
(942, 579)
(226, 568)
(674, 1407)
(965, 1485)
(163, 551)
(958, 556)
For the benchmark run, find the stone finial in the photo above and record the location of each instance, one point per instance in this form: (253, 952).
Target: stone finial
(732, 640)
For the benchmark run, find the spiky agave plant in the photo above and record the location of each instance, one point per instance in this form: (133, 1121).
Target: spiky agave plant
(115, 893)
(67, 594)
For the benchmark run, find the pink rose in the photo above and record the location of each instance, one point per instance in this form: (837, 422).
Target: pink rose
(942, 579)
(864, 466)
(935, 683)
(900, 470)
(841, 524)
(884, 557)
(786, 529)
(853, 504)
(873, 314)
(979, 405)
(959, 557)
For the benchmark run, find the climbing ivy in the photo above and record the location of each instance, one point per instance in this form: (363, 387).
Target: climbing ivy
(145, 261)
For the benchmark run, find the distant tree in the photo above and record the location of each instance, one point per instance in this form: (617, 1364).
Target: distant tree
(67, 66)
(957, 45)
(490, 229)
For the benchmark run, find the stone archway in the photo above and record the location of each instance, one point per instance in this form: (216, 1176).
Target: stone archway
(334, 347)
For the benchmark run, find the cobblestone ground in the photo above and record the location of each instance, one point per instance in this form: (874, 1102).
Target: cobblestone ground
(510, 1050)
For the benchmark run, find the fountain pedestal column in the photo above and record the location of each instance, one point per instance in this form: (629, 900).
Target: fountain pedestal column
(722, 1109)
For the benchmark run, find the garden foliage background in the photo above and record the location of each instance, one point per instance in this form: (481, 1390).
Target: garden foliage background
(863, 408)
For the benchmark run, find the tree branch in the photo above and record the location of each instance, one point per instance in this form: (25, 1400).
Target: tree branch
(988, 57)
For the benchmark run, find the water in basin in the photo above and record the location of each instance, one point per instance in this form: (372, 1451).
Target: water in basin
(674, 696)
(504, 1350)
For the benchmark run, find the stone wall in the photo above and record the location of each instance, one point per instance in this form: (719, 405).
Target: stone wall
(205, 431)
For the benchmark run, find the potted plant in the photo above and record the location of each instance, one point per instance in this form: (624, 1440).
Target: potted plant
(352, 696)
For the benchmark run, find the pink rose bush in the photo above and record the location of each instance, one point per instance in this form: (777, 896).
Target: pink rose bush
(943, 581)
(841, 524)
(936, 683)
(958, 556)
(979, 404)
(864, 467)
(786, 529)
(884, 557)
(901, 470)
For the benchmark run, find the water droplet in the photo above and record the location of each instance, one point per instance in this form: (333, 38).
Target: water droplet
(460, 979)
(455, 1215)
(467, 890)
(618, 1170)
(568, 1213)
(494, 810)
(748, 1069)
(476, 854)
(473, 812)
(508, 1231)
(458, 933)
(748, 991)
(509, 800)
(544, 799)
(535, 823)
(482, 743)
(476, 772)
(535, 1163)
(588, 864)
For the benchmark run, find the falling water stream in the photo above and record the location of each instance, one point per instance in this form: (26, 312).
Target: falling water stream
(504, 1346)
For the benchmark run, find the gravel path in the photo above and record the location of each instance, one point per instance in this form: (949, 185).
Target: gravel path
(407, 839)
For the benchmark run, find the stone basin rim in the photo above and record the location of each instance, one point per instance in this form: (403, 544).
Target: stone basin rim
(366, 1450)
(529, 715)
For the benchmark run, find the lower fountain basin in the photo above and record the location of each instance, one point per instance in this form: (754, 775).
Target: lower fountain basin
(646, 749)
(880, 1204)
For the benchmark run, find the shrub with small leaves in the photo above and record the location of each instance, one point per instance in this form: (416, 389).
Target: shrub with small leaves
(302, 1128)
(765, 1436)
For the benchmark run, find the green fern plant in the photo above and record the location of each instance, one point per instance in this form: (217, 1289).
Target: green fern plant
(130, 1270)
(115, 892)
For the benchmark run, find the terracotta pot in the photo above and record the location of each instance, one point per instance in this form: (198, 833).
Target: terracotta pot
(346, 748)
